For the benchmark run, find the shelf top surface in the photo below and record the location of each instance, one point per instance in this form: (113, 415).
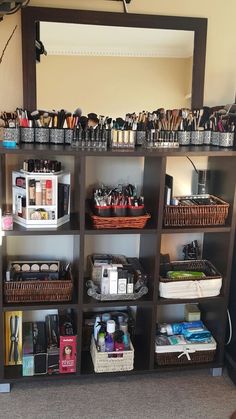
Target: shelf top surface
(27, 149)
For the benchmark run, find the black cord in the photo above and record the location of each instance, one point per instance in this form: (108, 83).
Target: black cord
(192, 164)
(18, 7)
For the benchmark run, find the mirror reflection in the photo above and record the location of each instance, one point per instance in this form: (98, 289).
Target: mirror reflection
(114, 70)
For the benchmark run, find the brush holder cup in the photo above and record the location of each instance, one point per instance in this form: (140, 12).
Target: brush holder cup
(102, 211)
(27, 135)
(123, 139)
(11, 135)
(56, 136)
(41, 135)
(183, 137)
(119, 210)
(133, 211)
(207, 137)
(140, 138)
(226, 139)
(215, 138)
(68, 135)
(196, 137)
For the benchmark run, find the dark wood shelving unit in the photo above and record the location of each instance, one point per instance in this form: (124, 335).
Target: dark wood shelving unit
(218, 245)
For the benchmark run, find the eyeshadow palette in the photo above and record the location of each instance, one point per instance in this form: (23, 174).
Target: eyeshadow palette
(34, 266)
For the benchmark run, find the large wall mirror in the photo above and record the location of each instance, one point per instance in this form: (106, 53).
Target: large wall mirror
(112, 63)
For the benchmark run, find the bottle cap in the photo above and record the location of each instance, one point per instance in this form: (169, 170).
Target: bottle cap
(38, 186)
(111, 326)
(106, 317)
(124, 327)
(48, 183)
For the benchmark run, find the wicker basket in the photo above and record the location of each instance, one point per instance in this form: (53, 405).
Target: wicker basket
(187, 287)
(189, 353)
(37, 291)
(119, 222)
(196, 215)
(112, 361)
(172, 358)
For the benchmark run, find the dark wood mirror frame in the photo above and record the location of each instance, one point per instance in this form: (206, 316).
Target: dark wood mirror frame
(30, 15)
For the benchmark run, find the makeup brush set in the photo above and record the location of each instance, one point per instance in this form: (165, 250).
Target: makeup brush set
(157, 129)
(120, 201)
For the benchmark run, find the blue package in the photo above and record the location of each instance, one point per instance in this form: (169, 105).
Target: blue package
(9, 143)
(197, 334)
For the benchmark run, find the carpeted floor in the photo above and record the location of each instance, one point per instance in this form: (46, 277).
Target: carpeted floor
(185, 395)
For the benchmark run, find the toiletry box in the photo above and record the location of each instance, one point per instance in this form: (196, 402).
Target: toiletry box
(185, 287)
(186, 353)
(112, 361)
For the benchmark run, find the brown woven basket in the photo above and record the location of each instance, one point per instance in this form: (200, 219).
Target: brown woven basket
(196, 215)
(119, 222)
(171, 358)
(36, 291)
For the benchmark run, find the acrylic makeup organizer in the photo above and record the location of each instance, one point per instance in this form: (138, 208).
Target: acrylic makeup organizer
(42, 214)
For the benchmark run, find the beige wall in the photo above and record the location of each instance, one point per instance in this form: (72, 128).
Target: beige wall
(220, 78)
(111, 85)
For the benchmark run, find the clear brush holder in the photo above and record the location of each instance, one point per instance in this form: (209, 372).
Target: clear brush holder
(207, 137)
(56, 136)
(68, 136)
(123, 139)
(183, 137)
(27, 135)
(215, 138)
(226, 139)
(11, 136)
(196, 138)
(41, 135)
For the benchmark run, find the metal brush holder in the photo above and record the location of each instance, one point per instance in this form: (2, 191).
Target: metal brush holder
(56, 136)
(215, 138)
(27, 135)
(207, 137)
(183, 137)
(140, 137)
(68, 135)
(41, 135)
(226, 139)
(11, 134)
(196, 137)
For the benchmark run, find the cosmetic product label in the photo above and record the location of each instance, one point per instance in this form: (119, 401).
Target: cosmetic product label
(67, 362)
(105, 283)
(28, 365)
(122, 283)
(130, 288)
(113, 279)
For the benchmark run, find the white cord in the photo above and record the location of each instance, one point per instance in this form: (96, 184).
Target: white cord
(230, 328)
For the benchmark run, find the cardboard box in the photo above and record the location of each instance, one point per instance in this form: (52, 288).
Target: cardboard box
(13, 338)
(67, 354)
